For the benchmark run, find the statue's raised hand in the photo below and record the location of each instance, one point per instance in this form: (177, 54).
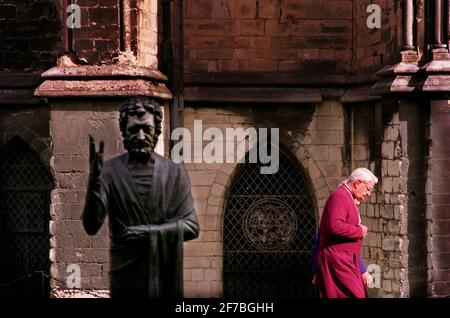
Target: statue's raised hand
(95, 158)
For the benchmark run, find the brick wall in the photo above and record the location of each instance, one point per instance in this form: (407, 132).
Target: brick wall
(268, 36)
(438, 210)
(314, 134)
(373, 48)
(98, 39)
(30, 34)
(220, 35)
(395, 213)
(362, 139)
(393, 209)
(70, 127)
(414, 126)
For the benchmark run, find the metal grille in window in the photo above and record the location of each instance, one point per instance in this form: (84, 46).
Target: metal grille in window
(269, 228)
(24, 217)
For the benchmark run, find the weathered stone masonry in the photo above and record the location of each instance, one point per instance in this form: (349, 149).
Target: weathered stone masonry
(306, 67)
(315, 137)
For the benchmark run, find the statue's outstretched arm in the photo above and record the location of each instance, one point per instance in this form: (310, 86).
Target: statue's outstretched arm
(94, 212)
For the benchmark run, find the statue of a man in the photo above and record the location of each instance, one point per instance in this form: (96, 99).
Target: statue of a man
(150, 206)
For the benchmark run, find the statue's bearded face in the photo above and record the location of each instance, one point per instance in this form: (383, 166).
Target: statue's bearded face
(139, 136)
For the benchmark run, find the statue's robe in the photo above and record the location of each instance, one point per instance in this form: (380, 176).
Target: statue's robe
(338, 271)
(146, 254)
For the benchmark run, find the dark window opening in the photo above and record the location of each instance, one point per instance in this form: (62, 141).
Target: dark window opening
(269, 228)
(25, 186)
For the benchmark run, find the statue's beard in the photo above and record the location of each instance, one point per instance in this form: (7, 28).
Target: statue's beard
(139, 147)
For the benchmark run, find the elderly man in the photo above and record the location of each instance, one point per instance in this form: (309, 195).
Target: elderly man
(150, 206)
(338, 272)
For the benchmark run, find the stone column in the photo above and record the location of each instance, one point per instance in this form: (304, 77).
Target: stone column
(438, 212)
(438, 25)
(435, 82)
(409, 54)
(126, 20)
(408, 18)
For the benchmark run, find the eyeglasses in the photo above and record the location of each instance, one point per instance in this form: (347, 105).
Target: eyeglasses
(367, 187)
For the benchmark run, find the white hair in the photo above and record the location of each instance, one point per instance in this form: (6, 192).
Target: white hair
(362, 174)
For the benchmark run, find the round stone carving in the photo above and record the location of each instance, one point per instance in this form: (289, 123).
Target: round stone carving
(270, 224)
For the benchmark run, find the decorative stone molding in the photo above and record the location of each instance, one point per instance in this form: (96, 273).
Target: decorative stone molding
(103, 81)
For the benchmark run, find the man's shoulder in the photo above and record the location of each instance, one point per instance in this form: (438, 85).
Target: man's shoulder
(165, 161)
(338, 192)
(116, 160)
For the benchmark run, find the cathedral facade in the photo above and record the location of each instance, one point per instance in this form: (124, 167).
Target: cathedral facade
(326, 86)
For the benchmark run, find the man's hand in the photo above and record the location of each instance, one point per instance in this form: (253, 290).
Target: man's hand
(95, 158)
(364, 230)
(368, 279)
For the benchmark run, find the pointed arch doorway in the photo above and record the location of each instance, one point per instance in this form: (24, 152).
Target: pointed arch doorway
(24, 222)
(269, 229)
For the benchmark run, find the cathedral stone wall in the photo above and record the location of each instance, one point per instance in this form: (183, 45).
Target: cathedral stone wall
(314, 133)
(268, 36)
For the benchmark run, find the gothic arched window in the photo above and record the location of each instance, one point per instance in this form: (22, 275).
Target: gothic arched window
(269, 229)
(25, 186)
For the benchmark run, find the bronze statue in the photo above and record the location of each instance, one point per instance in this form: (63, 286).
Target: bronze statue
(150, 206)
